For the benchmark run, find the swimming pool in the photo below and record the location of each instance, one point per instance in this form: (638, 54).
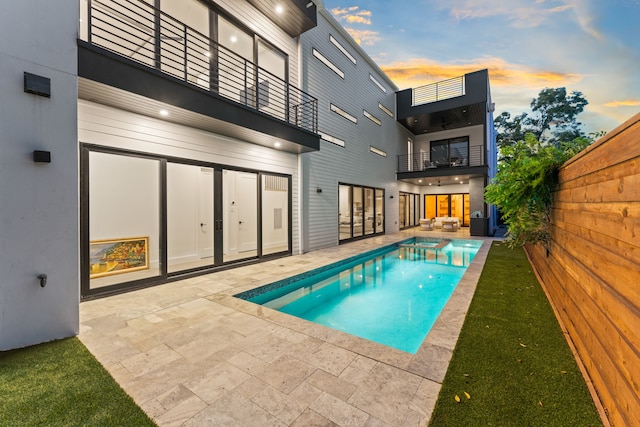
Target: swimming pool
(392, 295)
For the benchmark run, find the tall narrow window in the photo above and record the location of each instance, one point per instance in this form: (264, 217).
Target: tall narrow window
(275, 213)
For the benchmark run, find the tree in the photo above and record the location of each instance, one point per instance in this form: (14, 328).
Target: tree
(553, 119)
(523, 187)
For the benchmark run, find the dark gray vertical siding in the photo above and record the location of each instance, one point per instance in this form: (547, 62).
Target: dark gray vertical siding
(354, 163)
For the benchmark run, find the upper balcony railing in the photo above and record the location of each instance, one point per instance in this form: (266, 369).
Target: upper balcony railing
(438, 91)
(422, 162)
(139, 31)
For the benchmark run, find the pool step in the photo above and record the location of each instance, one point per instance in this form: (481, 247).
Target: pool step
(440, 245)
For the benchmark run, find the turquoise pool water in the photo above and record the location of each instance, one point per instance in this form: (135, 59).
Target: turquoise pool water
(392, 296)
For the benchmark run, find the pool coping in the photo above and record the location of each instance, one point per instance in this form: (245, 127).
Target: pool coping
(432, 358)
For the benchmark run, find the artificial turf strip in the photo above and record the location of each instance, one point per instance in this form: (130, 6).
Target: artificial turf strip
(512, 365)
(61, 384)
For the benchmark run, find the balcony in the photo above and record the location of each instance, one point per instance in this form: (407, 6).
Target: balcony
(450, 104)
(141, 51)
(421, 161)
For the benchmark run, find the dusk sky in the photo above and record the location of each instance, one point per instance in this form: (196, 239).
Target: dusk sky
(591, 46)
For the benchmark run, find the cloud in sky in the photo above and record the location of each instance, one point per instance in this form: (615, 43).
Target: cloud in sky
(364, 37)
(623, 103)
(352, 15)
(417, 72)
(521, 15)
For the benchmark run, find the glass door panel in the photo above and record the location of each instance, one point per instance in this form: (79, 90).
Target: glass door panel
(457, 209)
(466, 221)
(443, 205)
(379, 211)
(275, 214)
(186, 53)
(124, 219)
(411, 211)
(403, 210)
(272, 90)
(190, 219)
(344, 209)
(236, 72)
(240, 215)
(358, 226)
(369, 214)
(430, 206)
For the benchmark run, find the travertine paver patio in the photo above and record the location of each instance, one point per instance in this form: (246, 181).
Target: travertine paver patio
(191, 354)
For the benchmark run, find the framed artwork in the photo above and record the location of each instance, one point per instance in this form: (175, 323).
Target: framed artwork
(115, 256)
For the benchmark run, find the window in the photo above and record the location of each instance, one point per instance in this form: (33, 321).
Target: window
(360, 211)
(371, 117)
(332, 139)
(377, 151)
(377, 83)
(342, 49)
(450, 152)
(328, 63)
(386, 110)
(343, 113)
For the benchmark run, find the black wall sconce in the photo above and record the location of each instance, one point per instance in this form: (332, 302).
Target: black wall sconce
(41, 156)
(391, 196)
(318, 190)
(43, 280)
(37, 85)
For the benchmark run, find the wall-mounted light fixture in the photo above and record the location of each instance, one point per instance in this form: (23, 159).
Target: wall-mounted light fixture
(318, 190)
(43, 280)
(391, 196)
(40, 156)
(37, 85)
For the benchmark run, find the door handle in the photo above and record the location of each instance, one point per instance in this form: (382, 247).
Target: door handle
(202, 224)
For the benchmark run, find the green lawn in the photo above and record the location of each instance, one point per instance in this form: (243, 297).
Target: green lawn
(512, 365)
(61, 384)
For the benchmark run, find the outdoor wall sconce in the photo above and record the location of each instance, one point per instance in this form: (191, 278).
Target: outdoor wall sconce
(41, 156)
(37, 85)
(318, 190)
(43, 280)
(391, 196)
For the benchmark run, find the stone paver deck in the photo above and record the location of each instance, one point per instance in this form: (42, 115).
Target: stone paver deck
(191, 354)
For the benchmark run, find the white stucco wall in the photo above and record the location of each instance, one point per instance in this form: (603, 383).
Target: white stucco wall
(38, 202)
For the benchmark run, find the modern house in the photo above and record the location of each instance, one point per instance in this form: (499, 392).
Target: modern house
(146, 141)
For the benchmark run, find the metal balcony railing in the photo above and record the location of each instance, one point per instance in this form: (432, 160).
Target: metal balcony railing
(139, 31)
(422, 162)
(438, 91)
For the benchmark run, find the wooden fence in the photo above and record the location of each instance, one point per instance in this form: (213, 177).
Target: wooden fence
(592, 271)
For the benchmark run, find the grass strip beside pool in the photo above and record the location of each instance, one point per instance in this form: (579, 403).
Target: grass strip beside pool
(61, 384)
(512, 365)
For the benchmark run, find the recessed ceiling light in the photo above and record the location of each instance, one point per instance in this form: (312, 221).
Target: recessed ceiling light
(461, 182)
(279, 9)
(419, 180)
(164, 113)
(277, 144)
(234, 39)
(456, 178)
(430, 184)
(208, 54)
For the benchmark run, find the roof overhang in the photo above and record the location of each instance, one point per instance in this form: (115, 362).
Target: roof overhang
(293, 16)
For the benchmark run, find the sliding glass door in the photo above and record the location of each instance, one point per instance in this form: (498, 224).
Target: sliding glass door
(409, 204)
(451, 205)
(148, 218)
(360, 211)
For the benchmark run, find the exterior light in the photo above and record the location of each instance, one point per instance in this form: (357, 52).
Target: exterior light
(279, 9)
(234, 39)
(456, 178)
(164, 113)
(277, 144)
